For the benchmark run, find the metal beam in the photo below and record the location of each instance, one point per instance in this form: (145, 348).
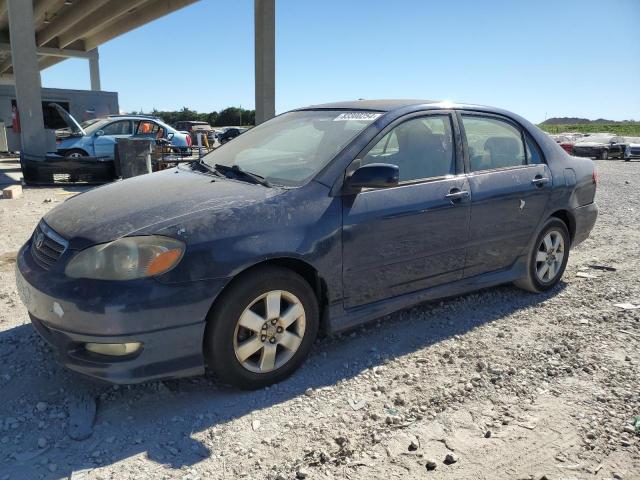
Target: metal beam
(47, 8)
(69, 17)
(52, 52)
(107, 13)
(265, 59)
(157, 9)
(46, 62)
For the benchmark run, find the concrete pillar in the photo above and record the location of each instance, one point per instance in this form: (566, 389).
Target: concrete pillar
(265, 59)
(94, 69)
(27, 77)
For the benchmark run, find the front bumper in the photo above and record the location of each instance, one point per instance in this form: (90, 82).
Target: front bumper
(585, 218)
(169, 321)
(55, 167)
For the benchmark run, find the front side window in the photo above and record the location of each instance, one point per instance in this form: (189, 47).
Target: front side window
(492, 143)
(293, 147)
(123, 127)
(421, 148)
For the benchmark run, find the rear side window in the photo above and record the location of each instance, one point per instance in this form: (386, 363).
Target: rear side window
(421, 148)
(492, 143)
(146, 127)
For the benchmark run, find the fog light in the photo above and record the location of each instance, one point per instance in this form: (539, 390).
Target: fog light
(114, 349)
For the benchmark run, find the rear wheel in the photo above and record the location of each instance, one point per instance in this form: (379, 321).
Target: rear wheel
(548, 257)
(604, 155)
(262, 328)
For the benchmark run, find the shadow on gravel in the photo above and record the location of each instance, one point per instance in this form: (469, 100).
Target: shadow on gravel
(157, 420)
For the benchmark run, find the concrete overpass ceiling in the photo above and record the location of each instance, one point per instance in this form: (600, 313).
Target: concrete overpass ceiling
(81, 25)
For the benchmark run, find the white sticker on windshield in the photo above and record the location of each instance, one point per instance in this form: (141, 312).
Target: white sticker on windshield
(361, 116)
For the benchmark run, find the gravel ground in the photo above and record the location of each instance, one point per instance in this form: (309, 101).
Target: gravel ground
(496, 384)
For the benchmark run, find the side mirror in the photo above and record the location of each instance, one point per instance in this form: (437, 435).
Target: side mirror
(170, 136)
(99, 133)
(374, 175)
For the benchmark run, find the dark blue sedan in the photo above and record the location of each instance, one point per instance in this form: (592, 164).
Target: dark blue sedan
(321, 218)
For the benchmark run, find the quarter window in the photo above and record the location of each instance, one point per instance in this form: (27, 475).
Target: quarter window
(421, 148)
(492, 143)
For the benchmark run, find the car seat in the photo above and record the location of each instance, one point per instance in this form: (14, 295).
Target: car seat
(420, 153)
(503, 152)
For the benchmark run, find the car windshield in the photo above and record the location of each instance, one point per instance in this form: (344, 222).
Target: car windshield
(94, 127)
(291, 148)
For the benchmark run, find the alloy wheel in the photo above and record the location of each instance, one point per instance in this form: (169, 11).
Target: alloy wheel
(269, 331)
(550, 256)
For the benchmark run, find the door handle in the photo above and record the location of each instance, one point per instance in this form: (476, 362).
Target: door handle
(539, 181)
(455, 194)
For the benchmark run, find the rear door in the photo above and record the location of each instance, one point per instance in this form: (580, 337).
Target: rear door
(510, 186)
(410, 237)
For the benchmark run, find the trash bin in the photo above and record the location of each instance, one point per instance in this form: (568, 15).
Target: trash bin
(133, 157)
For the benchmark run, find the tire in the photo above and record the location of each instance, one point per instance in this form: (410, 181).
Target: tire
(627, 159)
(75, 153)
(604, 155)
(225, 336)
(538, 279)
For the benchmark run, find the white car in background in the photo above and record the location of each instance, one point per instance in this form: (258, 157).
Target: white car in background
(633, 148)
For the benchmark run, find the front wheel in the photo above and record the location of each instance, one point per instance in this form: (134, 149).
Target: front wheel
(262, 328)
(75, 153)
(547, 258)
(604, 155)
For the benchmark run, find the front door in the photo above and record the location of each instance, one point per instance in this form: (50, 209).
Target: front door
(104, 144)
(510, 186)
(410, 237)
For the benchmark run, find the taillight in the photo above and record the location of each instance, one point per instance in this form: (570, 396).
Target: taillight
(188, 140)
(595, 176)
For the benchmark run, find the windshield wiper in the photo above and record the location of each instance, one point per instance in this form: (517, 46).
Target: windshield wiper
(237, 172)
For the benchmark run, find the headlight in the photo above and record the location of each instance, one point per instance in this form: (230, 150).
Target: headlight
(127, 258)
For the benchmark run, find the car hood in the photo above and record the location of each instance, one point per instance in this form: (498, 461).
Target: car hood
(71, 122)
(147, 204)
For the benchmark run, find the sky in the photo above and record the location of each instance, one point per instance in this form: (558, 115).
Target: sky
(538, 58)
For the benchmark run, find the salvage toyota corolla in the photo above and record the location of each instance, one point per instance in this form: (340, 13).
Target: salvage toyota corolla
(321, 218)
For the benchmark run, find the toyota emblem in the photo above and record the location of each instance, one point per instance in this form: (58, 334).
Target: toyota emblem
(38, 240)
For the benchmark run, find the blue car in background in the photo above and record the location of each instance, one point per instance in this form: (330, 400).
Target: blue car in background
(99, 138)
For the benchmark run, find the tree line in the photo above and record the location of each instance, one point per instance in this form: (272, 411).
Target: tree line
(228, 116)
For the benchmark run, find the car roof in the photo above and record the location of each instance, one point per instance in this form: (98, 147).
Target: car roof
(378, 105)
(389, 105)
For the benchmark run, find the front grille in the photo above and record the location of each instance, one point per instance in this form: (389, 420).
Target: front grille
(47, 246)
